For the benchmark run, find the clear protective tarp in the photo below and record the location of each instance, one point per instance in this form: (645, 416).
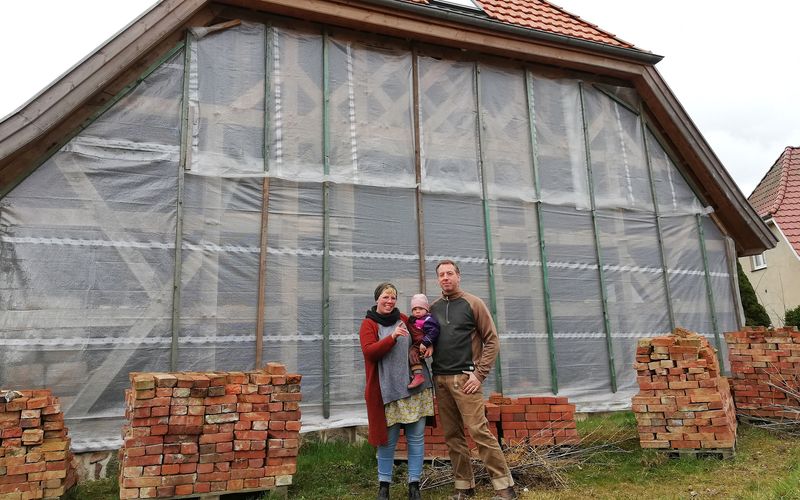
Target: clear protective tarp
(300, 151)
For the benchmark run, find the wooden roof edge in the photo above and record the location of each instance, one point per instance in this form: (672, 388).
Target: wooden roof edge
(741, 221)
(92, 73)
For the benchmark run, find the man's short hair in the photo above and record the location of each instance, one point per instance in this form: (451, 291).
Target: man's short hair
(448, 261)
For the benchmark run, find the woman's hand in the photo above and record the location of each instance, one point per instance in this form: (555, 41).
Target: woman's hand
(400, 331)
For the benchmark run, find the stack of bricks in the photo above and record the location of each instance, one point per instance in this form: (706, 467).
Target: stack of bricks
(35, 460)
(220, 432)
(765, 365)
(683, 403)
(538, 421)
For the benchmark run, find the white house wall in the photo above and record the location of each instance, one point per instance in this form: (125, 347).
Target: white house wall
(775, 286)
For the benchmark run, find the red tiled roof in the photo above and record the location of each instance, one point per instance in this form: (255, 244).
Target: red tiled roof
(778, 195)
(547, 17)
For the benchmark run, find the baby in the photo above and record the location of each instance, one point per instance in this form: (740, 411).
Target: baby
(424, 331)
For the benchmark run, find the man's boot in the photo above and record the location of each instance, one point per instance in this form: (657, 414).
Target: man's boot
(505, 494)
(462, 494)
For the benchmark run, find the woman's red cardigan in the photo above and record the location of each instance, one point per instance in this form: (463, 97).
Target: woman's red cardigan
(374, 350)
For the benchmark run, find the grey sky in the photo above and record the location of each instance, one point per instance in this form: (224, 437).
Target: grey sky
(729, 62)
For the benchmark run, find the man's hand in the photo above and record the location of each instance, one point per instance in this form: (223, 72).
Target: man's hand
(472, 385)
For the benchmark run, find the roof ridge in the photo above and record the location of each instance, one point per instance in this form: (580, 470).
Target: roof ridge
(780, 195)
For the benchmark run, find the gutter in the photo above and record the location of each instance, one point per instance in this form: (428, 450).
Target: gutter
(469, 19)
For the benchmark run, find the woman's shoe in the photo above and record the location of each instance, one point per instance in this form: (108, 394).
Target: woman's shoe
(413, 491)
(383, 491)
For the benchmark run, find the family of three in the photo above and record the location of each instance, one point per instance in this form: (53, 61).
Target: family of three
(457, 331)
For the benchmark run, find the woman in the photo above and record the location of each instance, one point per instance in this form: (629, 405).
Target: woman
(390, 403)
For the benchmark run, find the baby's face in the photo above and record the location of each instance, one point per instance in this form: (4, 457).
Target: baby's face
(419, 312)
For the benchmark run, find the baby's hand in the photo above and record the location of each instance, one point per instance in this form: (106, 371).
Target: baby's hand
(426, 351)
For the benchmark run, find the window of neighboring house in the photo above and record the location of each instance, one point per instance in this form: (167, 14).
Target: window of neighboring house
(758, 261)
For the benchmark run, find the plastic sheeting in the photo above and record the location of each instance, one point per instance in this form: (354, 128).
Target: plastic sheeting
(280, 115)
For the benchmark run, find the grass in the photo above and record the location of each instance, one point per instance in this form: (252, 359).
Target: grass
(103, 489)
(766, 467)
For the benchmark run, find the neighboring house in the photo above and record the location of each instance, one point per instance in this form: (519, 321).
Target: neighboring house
(224, 183)
(775, 273)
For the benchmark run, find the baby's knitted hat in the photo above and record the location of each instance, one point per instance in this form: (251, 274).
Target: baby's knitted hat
(420, 300)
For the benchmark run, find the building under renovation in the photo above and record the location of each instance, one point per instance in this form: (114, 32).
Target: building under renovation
(223, 183)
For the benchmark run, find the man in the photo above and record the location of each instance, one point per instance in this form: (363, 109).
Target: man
(462, 359)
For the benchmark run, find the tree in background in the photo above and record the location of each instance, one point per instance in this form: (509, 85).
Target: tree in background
(754, 313)
(792, 317)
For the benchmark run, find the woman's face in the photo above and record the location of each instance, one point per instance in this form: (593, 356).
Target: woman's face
(386, 301)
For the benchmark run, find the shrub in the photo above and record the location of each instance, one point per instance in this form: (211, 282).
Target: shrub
(754, 313)
(792, 317)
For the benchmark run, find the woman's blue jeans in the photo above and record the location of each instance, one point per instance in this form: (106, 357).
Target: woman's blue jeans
(415, 437)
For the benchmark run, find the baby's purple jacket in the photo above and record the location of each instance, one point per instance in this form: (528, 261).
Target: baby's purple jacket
(430, 327)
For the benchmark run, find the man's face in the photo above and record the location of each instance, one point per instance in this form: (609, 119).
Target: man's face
(449, 279)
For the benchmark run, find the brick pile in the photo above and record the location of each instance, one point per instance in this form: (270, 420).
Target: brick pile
(35, 460)
(760, 357)
(539, 421)
(683, 403)
(194, 433)
(536, 420)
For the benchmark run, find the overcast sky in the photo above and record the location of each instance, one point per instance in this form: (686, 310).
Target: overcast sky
(731, 63)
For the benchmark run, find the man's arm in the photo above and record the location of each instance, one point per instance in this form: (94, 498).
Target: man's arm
(484, 325)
